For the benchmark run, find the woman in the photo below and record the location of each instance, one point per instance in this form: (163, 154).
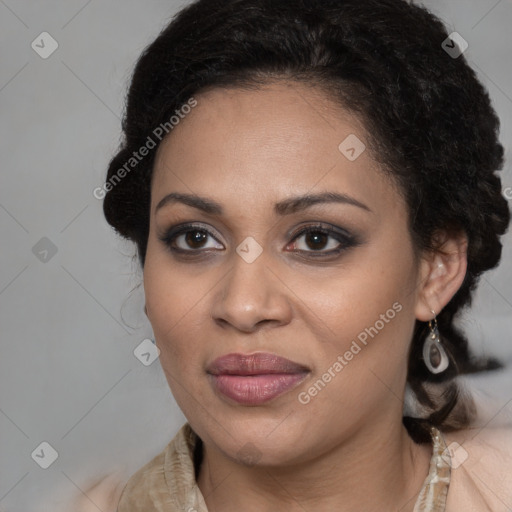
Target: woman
(312, 189)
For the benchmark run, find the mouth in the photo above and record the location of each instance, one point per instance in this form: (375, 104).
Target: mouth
(254, 379)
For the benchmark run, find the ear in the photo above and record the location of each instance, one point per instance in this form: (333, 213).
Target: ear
(442, 272)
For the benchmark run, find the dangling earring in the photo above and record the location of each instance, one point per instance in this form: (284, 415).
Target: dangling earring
(434, 355)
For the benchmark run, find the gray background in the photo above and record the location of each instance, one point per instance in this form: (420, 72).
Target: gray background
(70, 324)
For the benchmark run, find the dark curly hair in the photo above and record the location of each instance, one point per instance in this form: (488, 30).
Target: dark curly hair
(429, 120)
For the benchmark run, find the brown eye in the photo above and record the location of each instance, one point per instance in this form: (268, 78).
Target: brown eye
(193, 239)
(316, 240)
(190, 238)
(196, 238)
(321, 240)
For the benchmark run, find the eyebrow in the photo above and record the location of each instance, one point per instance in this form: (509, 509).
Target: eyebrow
(285, 207)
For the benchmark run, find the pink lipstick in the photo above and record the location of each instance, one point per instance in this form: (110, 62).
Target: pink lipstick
(253, 379)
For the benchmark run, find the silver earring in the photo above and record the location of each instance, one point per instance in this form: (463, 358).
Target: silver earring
(434, 355)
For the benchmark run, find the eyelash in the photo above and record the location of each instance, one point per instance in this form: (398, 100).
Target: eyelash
(345, 239)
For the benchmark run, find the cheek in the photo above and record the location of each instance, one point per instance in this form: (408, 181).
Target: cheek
(365, 314)
(173, 303)
(354, 297)
(178, 299)
(176, 313)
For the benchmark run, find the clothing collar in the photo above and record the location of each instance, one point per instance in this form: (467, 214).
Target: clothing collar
(182, 489)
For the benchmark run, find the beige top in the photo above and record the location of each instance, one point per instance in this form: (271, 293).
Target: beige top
(470, 471)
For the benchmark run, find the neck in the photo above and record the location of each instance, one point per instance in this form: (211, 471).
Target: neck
(375, 469)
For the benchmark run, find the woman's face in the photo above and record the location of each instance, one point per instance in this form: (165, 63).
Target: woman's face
(246, 280)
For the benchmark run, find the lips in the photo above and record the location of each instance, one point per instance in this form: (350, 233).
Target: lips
(253, 379)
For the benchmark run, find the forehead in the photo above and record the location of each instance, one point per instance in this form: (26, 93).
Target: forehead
(249, 146)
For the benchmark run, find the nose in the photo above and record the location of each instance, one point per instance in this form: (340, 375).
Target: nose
(251, 296)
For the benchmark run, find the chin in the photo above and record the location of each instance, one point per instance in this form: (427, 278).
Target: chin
(252, 441)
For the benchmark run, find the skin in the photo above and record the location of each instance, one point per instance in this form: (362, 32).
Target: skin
(346, 449)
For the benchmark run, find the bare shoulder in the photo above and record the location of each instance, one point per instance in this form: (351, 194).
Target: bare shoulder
(481, 467)
(483, 441)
